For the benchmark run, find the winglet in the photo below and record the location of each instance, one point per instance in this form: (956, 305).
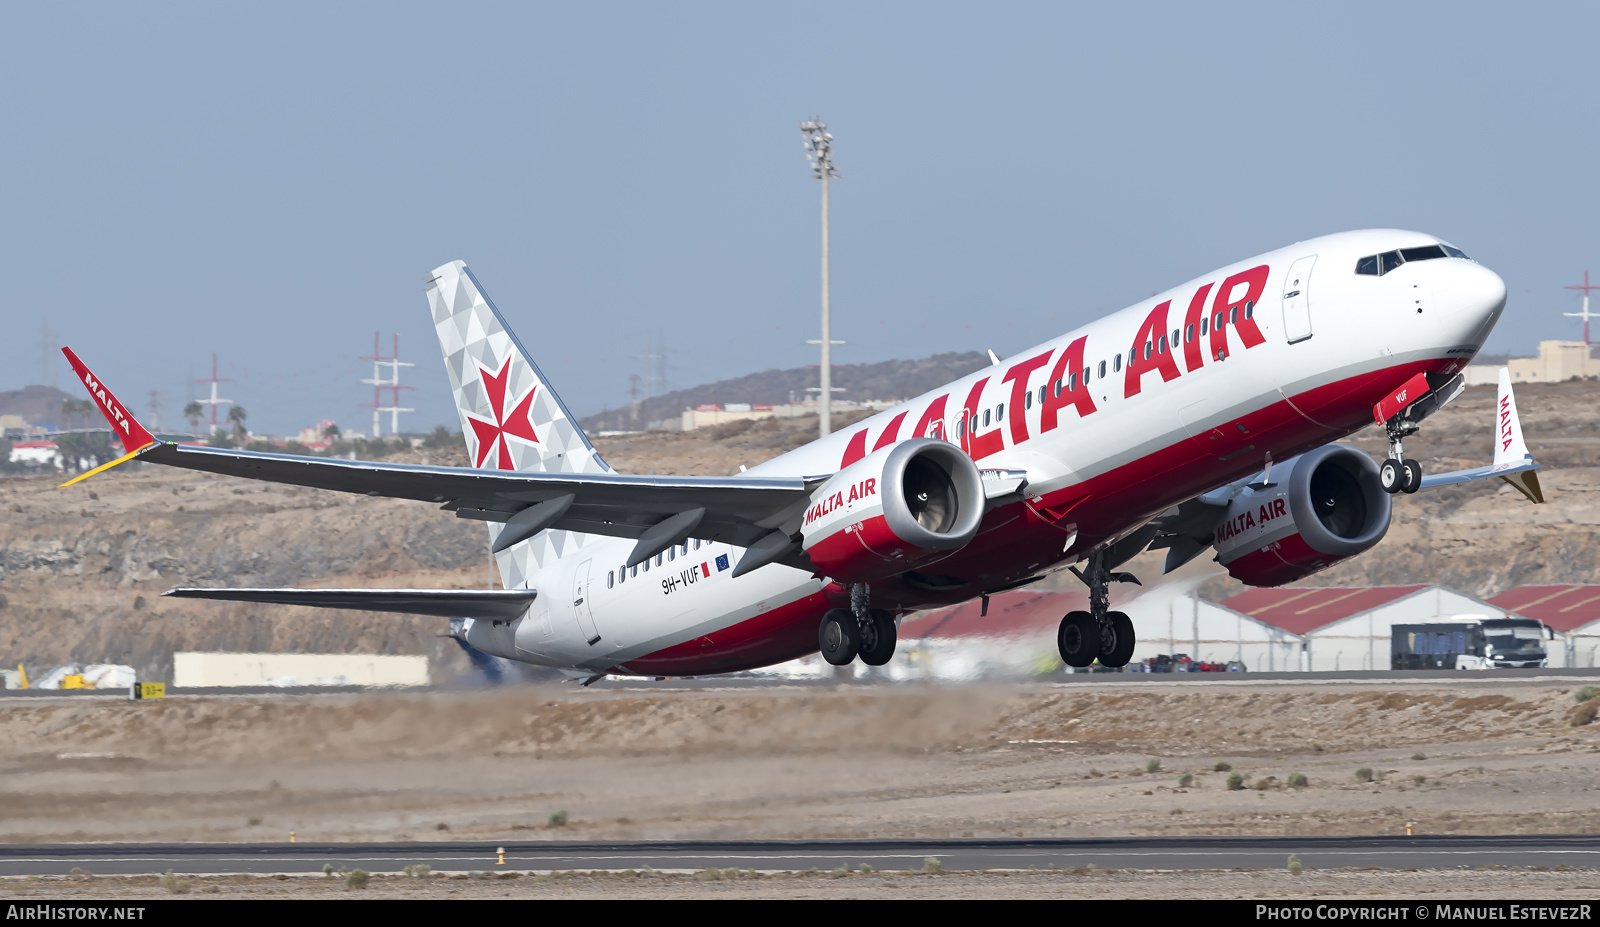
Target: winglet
(133, 436)
(1509, 448)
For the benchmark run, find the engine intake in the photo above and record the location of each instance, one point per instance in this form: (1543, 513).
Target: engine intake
(1329, 507)
(893, 510)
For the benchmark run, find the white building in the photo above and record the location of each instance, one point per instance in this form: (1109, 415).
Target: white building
(1348, 628)
(1571, 611)
(40, 453)
(196, 670)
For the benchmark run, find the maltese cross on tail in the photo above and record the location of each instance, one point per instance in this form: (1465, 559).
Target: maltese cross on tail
(496, 434)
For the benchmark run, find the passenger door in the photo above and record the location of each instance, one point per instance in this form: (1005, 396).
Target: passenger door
(580, 603)
(1297, 300)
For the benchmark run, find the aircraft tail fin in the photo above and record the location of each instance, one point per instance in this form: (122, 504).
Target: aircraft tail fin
(511, 418)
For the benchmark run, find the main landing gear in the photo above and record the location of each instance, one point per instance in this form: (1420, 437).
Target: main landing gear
(857, 631)
(1399, 473)
(1098, 633)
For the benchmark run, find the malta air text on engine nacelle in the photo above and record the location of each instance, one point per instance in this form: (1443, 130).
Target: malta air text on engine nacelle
(897, 508)
(1327, 505)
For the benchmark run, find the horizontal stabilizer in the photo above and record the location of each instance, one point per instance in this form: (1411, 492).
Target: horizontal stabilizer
(503, 604)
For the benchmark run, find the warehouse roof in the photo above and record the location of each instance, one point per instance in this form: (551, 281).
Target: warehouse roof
(1300, 610)
(1564, 608)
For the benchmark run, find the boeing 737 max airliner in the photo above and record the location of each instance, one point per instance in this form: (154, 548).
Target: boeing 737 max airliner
(1201, 419)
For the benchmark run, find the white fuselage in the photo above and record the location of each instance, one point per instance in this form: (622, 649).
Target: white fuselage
(1325, 342)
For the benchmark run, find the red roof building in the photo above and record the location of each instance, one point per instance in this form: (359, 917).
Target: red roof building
(1573, 611)
(1348, 627)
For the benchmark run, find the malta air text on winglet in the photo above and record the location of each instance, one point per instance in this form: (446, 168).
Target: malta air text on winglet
(133, 435)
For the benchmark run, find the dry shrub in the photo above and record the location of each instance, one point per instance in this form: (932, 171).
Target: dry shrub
(1584, 713)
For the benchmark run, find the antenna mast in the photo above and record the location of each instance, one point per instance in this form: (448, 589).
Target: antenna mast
(1585, 315)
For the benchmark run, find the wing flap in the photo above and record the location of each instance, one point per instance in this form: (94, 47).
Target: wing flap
(501, 604)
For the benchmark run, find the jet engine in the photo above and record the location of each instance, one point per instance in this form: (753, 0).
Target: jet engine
(1325, 506)
(893, 510)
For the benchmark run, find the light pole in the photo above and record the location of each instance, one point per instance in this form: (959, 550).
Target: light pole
(819, 151)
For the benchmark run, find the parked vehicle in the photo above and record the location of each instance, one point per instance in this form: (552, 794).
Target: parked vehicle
(1490, 643)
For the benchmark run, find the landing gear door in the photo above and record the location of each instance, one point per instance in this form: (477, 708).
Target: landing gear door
(580, 603)
(1297, 300)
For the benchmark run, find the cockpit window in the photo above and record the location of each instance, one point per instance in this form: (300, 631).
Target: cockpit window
(1426, 253)
(1376, 265)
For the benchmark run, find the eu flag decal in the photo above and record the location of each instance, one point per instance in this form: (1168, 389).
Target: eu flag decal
(722, 563)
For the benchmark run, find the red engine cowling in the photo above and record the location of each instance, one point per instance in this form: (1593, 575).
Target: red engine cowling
(1327, 505)
(893, 510)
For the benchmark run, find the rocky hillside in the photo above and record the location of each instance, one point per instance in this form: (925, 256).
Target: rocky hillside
(895, 379)
(82, 568)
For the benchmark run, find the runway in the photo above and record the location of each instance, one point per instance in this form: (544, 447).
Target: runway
(1166, 853)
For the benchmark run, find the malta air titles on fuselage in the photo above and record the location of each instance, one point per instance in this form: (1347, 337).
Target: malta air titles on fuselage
(1212, 309)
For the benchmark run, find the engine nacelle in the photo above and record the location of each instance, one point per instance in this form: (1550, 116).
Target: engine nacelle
(893, 510)
(1327, 505)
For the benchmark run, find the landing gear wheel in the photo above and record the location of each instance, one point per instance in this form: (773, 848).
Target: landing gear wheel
(1116, 640)
(877, 638)
(838, 637)
(1078, 639)
(1391, 476)
(1410, 476)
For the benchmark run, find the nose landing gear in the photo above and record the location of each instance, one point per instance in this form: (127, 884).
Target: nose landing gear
(1399, 473)
(1099, 633)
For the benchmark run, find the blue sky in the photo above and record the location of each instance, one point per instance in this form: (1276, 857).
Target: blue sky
(273, 182)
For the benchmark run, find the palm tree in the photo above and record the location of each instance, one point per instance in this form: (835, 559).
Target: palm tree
(69, 411)
(192, 412)
(236, 415)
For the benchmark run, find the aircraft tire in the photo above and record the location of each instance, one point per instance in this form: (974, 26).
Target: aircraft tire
(1391, 476)
(878, 639)
(1411, 476)
(1078, 639)
(838, 638)
(1122, 641)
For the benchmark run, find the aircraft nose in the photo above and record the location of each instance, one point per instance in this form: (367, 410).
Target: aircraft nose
(1471, 298)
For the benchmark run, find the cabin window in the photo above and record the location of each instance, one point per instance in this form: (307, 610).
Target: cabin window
(999, 411)
(1027, 401)
(1116, 363)
(1188, 333)
(1250, 309)
(1072, 381)
(658, 559)
(1042, 390)
(696, 543)
(611, 579)
(1102, 370)
(1058, 387)
(1205, 326)
(672, 552)
(1233, 315)
(1174, 337)
(1148, 348)
(985, 419)
(634, 570)
(1161, 346)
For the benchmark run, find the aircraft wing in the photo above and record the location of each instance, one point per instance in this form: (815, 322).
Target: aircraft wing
(753, 512)
(736, 510)
(501, 604)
